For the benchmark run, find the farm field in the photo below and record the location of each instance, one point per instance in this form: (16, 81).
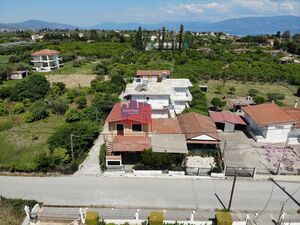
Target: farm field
(72, 81)
(242, 88)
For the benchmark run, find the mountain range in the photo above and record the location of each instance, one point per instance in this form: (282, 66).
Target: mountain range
(238, 26)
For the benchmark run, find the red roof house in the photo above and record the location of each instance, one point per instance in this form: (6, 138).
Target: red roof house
(226, 120)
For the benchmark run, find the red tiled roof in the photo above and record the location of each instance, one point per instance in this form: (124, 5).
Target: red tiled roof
(166, 126)
(130, 111)
(152, 72)
(130, 143)
(194, 124)
(267, 114)
(295, 113)
(226, 116)
(45, 52)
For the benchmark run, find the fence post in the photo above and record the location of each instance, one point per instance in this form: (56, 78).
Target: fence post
(254, 172)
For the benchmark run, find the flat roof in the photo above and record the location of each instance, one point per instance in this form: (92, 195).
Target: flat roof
(165, 87)
(169, 143)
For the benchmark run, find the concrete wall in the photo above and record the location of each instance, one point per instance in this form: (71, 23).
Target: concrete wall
(229, 127)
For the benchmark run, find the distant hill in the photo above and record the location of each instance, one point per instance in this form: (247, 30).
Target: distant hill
(35, 25)
(239, 26)
(257, 25)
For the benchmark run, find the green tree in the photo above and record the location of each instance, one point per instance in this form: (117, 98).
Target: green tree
(73, 115)
(217, 103)
(163, 39)
(286, 35)
(58, 105)
(81, 101)
(58, 88)
(104, 103)
(37, 111)
(33, 87)
(139, 40)
(181, 33)
(84, 134)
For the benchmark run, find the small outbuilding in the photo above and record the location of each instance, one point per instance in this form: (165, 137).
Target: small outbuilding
(18, 75)
(227, 121)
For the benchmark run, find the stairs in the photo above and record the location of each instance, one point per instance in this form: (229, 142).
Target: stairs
(109, 148)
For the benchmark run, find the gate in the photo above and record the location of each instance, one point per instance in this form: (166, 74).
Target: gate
(240, 171)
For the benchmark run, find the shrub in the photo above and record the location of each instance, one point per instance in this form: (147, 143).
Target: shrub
(275, 96)
(223, 218)
(259, 99)
(156, 218)
(71, 94)
(37, 111)
(232, 90)
(58, 105)
(253, 92)
(4, 92)
(217, 103)
(6, 123)
(162, 161)
(3, 110)
(81, 101)
(58, 88)
(19, 108)
(73, 115)
(92, 218)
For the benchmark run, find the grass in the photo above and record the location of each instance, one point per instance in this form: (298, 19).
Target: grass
(4, 59)
(241, 89)
(12, 210)
(21, 142)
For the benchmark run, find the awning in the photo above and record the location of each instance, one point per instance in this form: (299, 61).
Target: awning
(169, 143)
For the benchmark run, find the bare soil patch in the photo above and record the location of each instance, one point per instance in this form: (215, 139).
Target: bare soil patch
(72, 81)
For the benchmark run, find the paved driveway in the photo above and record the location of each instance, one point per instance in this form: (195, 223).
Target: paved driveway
(242, 151)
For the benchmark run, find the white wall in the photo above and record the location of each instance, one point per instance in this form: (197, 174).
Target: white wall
(179, 106)
(278, 134)
(271, 133)
(156, 101)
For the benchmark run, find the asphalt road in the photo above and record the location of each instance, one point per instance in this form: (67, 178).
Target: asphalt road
(149, 192)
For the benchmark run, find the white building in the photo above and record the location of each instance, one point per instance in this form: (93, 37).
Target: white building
(268, 123)
(46, 60)
(17, 75)
(167, 97)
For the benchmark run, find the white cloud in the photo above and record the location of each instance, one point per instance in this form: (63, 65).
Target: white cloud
(268, 7)
(195, 8)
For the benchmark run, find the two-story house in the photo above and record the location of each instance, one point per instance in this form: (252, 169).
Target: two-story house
(46, 60)
(129, 125)
(167, 97)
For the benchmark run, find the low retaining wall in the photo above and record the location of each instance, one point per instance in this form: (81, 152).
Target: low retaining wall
(176, 173)
(147, 172)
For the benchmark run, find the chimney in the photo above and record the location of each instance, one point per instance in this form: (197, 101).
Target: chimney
(296, 103)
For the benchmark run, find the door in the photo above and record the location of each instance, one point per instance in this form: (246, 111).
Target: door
(120, 129)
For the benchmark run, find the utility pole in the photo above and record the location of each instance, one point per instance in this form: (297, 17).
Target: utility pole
(72, 150)
(232, 190)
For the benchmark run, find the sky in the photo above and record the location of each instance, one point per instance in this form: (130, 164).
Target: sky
(91, 12)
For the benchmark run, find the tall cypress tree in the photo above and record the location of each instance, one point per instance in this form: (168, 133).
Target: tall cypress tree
(139, 39)
(163, 37)
(181, 36)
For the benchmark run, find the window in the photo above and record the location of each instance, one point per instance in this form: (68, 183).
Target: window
(136, 127)
(147, 98)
